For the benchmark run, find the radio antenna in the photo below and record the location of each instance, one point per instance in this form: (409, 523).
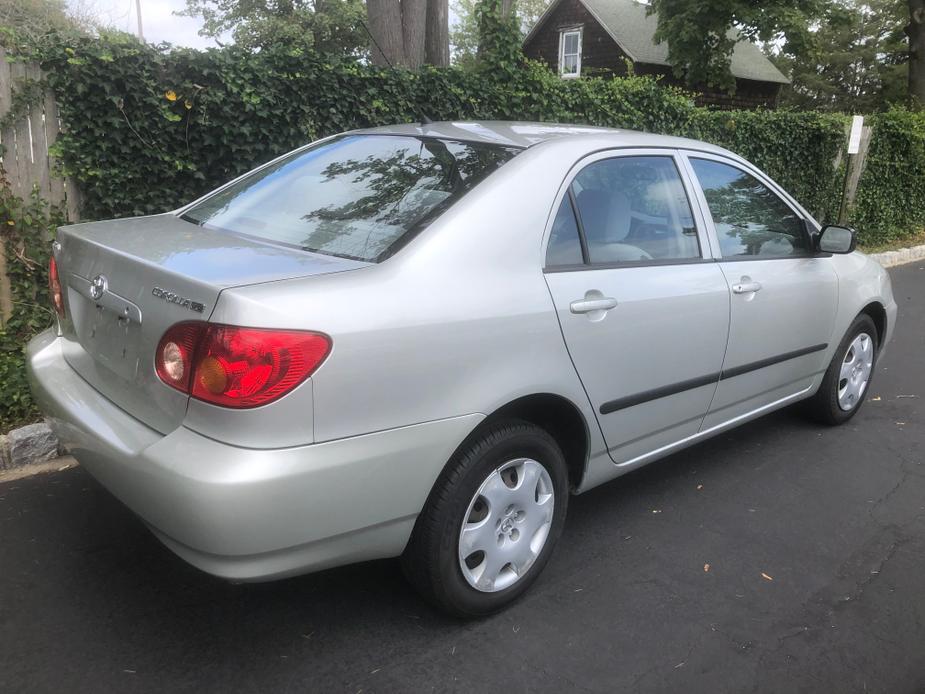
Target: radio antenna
(376, 43)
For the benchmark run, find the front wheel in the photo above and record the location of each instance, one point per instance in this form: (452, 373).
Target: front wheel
(491, 521)
(849, 375)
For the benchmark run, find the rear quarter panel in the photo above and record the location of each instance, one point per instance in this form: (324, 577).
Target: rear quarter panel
(459, 322)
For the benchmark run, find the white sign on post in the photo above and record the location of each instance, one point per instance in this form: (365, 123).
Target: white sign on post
(854, 139)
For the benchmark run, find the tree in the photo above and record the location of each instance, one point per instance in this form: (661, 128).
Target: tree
(409, 33)
(32, 19)
(915, 30)
(464, 36)
(333, 27)
(700, 34)
(855, 61)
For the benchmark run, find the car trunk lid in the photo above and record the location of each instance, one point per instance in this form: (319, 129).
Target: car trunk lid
(127, 281)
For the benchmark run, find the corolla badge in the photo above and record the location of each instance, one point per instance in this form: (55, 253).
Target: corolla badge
(98, 286)
(172, 298)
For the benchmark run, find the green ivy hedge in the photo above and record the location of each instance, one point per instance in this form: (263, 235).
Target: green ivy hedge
(26, 229)
(148, 128)
(890, 202)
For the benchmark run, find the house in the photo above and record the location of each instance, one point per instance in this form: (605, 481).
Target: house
(578, 37)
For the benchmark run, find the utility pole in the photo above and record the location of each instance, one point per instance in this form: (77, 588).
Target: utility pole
(141, 36)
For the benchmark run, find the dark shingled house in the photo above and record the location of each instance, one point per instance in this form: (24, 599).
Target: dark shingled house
(576, 37)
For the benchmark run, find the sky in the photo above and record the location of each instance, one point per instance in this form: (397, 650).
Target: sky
(158, 21)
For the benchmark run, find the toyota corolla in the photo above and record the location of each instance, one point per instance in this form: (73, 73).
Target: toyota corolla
(418, 341)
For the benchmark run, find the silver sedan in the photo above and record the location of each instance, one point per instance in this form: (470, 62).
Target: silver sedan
(418, 341)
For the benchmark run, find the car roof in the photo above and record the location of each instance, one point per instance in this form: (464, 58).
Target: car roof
(527, 134)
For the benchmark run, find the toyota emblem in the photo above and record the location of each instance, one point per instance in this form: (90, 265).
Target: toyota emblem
(97, 287)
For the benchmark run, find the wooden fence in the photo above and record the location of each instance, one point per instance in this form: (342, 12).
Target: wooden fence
(26, 160)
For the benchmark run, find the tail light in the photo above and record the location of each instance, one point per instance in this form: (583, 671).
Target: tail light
(237, 367)
(54, 288)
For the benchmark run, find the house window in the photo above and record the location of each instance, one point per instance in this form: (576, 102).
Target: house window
(570, 53)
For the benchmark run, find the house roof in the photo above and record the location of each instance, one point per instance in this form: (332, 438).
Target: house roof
(633, 29)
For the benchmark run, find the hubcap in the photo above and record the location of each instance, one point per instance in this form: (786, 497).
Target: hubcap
(506, 525)
(855, 372)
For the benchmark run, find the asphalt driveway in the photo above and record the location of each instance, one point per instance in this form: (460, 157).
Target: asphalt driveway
(782, 556)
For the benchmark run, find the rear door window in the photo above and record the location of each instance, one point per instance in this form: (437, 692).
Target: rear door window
(357, 196)
(564, 247)
(634, 209)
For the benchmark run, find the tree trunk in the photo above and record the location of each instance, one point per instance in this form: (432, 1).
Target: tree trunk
(437, 43)
(414, 30)
(916, 32)
(409, 32)
(387, 44)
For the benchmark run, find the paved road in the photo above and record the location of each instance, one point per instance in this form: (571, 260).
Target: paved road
(815, 540)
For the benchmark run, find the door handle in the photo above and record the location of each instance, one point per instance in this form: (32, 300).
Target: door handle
(746, 286)
(588, 305)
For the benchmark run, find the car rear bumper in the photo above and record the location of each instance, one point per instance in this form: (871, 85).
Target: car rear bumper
(248, 514)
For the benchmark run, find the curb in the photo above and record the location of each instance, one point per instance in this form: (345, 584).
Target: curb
(900, 257)
(54, 465)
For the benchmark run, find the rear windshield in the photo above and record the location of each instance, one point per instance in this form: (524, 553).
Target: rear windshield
(357, 196)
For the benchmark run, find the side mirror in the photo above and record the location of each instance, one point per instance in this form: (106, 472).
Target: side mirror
(836, 239)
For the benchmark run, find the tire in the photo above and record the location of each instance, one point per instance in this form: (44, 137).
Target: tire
(469, 497)
(839, 399)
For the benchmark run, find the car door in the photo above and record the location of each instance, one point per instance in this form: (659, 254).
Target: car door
(644, 309)
(783, 295)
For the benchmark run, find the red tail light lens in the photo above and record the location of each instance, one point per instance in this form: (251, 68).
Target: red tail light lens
(238, 367)
(54, 288)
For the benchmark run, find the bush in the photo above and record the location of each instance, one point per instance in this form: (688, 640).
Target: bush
(890, 203)
(27, 228)
(148, 128)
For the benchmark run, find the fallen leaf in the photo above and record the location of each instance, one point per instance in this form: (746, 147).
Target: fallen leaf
(706, 568)
(766, 577)
(876, 399)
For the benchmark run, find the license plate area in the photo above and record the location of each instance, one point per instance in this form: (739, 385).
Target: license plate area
(109, 338)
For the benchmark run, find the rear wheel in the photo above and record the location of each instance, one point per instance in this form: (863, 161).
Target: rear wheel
(848, 377)
(491, 521)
